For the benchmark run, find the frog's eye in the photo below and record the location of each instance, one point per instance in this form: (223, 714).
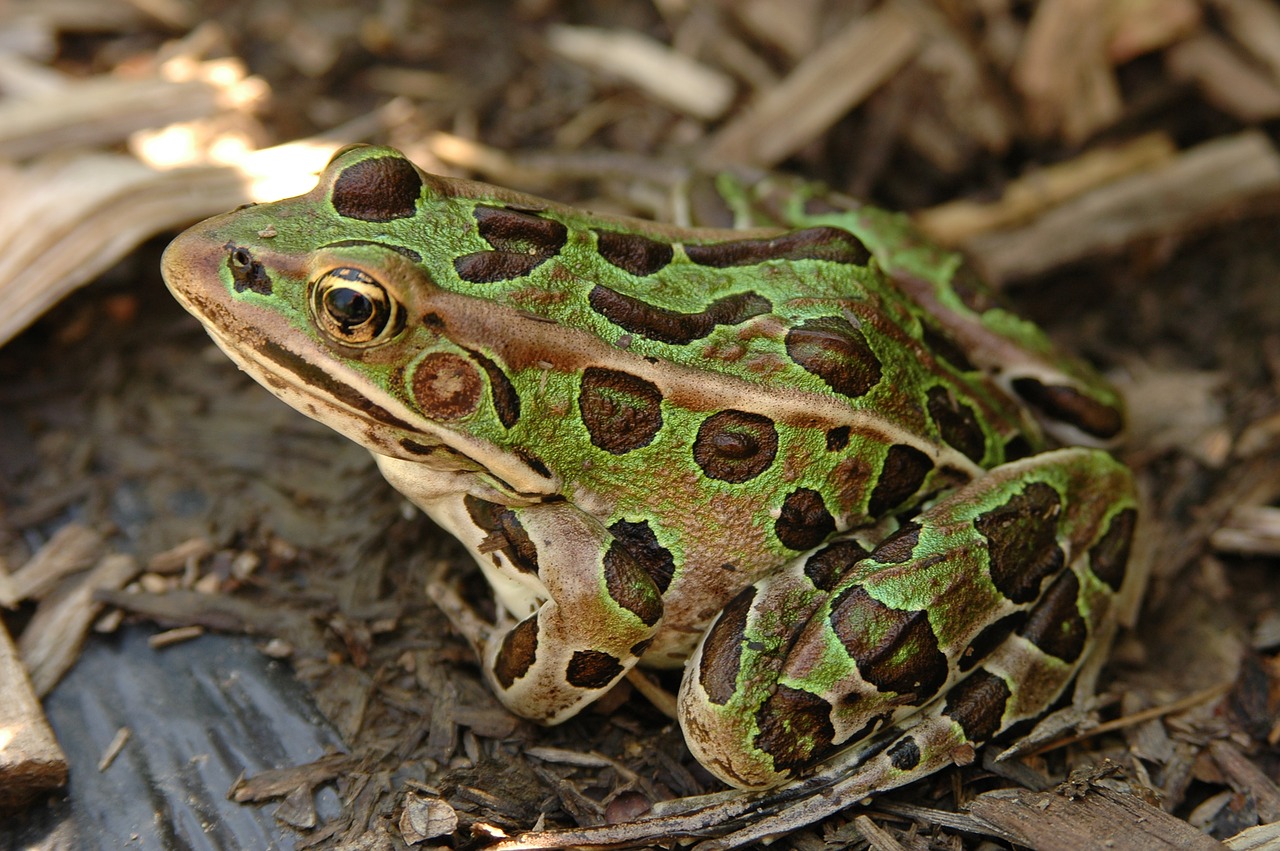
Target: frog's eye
(352, 308)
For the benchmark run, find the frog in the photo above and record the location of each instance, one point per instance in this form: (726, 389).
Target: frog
(810, 459)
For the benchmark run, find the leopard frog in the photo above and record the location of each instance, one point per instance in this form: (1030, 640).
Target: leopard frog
(813, 462)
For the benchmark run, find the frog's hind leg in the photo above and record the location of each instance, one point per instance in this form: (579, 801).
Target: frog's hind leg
(974, 616)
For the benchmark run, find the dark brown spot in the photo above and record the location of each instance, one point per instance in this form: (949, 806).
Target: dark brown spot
(357, 243)
(620, 411)
(735, 446)
(520, 231)
(895, 651)
(521, 242)
(592, 669)
(446, 386)
(904, 754)
(633, 253)
(831, 348)
(1071, 406)
(506, 401)
(825, 567)
(722, 649)
(957, 423)
(1022, 541)
(899, 546)
(417, 448)
(518, 652)
(1109, 558)
(670, 326)
(381, 189)
(991, 637)
(246, 272)
(1055, 624)
(795, 728)
(505, 533)
(821, 243)
(532, 461)
(487, 267)
(630, 586)
(640, 647)
(643, 545)
(904, 471)
(804, 521)
(837, 438)
(977, 704)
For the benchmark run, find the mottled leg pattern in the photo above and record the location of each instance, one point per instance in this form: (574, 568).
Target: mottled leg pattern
(972, 617)
(587, 608)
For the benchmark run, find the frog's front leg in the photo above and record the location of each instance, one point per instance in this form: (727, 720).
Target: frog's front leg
(588, 609)
(973, 616)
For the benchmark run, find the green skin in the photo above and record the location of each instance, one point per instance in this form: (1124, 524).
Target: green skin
(820, 427)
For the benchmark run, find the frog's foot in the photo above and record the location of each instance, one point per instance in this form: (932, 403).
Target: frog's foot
(972, 617)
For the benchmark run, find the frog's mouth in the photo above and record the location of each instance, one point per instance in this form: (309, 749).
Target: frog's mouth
(260, 340)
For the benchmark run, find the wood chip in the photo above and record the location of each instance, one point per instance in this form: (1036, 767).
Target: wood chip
(1064, 73)
(1249, 530)
(113, 749)
(1028, 196)
(818, 92)
(1201, 185)
(51, 641)
(174, 636)
(1228, 79)
(71, 549)
(1247, 778)
(105, 110)
(1255, 25)
(31, 763)
(670, 77)
(1102, 818)
(426, 818)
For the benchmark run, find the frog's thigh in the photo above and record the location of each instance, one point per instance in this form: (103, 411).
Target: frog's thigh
(975, 615)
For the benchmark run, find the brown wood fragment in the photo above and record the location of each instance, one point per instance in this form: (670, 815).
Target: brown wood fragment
(1064, 73)
(1028, 196)
(1247, 778)
(51, 641)
(1201, 185)
(104, 110)
(1102, 818)
(667, 75)
(70, 550)
(1255, 25)
(1249, 529)
(280, 782)
(789, 25)
(174, 636)
(877, 837)
(117, 743)
(31, 762)
(1226, 78)
(821, 89)
(1148, 25)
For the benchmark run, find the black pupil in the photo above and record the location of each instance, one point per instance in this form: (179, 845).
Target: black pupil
(350, 307)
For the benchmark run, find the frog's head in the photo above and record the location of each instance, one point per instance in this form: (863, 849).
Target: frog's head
(322, 300)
